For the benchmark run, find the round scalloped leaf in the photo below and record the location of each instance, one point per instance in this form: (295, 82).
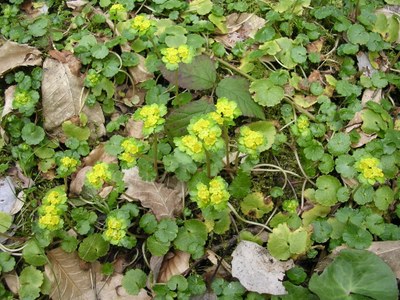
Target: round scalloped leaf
(133, 281)
(237, 89)
(200, 74)
(384, 196)
(327, 190)
(255, 205)
(355, 274)
(266, 93)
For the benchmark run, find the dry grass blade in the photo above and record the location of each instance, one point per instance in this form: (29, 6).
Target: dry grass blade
(69, 281)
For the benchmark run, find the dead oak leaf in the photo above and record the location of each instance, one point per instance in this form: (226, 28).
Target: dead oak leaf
(163, 202)
(13, 55)
(174, 263)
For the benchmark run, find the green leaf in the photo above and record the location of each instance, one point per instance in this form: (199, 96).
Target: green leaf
(346, 89)
(372, 122)
(339, 144)
(99, 51)
(7, 262)
(200, 7)
(237, 89)
(180, 163)
(156, 247)
(179, 119)
(192, 238)
(327, 189)
(357, 34)
(364, 194)
(314, 151)
(32, 134)
(355, 274)
(278, 244)
(39, 27)
(177, 283)
(74, 131)
(33, 254)
(267, 128)
(357, 237)
(93, 247)
(240, 185)
(321, 231)
(5, 221)
(30, 280)
(266, 93)
(133, 281)
(384, 196)
(200, 74)
(255, 205)
(299, 54)
(148, 223)
(326, 164)
(166, 231)
(344, 166)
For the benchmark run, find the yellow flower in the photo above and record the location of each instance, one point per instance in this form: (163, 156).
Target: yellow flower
(214, 194)
(127, 157)
(50, 210)
(253, 139)
(192, 143)
(114, 223)
(201, 127)
(151, 115)
(130, 147)
(69, 162)
(185, 54)
(217, 117)
(370, 172)
(50, 222)
(227, 109)
(98, 175)
(22, 98)
(55, 198)
(171, 56)
(302, 123)
(141, 24)
(114, 236)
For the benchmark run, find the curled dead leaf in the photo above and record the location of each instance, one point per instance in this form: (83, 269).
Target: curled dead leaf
(174, 263)
(164, 202)
(13, 55)
(12, 281)
(140, 72)
(98, 154)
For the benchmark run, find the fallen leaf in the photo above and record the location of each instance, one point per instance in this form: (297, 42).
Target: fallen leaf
(98, 154)
(8, 100)
(134, 128)
(10, 202)
(174, 263)
(364, 65)
(12, 281)
(240, 27)
(67, 57)
(164, 202)
(140, 72)
(257, 270)
(13, 55)
(155, 266)
(78, 181)
(68, 280)
(19, 178)
(71, 281)
(62, 98)
(76, 4)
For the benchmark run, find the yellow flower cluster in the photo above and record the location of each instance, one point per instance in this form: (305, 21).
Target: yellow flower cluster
(98, 175)
(173, 56)
(132, 148)
(141, 24)
(152, 117)
(52, 208)
(251, 142)
(370, 172)
(21, 98)
(69, 162)
(118, 12)
(207, 130)
(225, 112)
(192, 146)
(116, 230)
(214, 194)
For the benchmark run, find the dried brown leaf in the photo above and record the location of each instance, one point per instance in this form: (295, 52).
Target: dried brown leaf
(69, 281)
(174, 263)
(12, 281)
(257, 270)
(134, 128)
(13, 55)
(164, 202)
(78, 181)
(76, 4)
(98, 154)
(62, 98)
(240, 27)
(8, 100)
(140, 72)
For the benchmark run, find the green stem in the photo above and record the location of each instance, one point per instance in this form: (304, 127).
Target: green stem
(246, 221)
(225, 135)
(233, 68)
(300, 109)
(155, 154)
(208, 163)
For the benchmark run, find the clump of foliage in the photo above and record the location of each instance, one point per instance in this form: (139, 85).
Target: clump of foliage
(290, 126)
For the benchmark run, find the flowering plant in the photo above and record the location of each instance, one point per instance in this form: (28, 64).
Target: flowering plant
(370, 171)
(152, 117)
(214, 193)
(52, 208)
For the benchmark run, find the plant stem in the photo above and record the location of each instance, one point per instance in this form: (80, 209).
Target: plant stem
(233, 68)
(246, 221)
(226, 139)
(155, 154)
(208, 163)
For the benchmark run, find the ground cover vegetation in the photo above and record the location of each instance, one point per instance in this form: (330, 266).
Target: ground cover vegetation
(199, 149)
